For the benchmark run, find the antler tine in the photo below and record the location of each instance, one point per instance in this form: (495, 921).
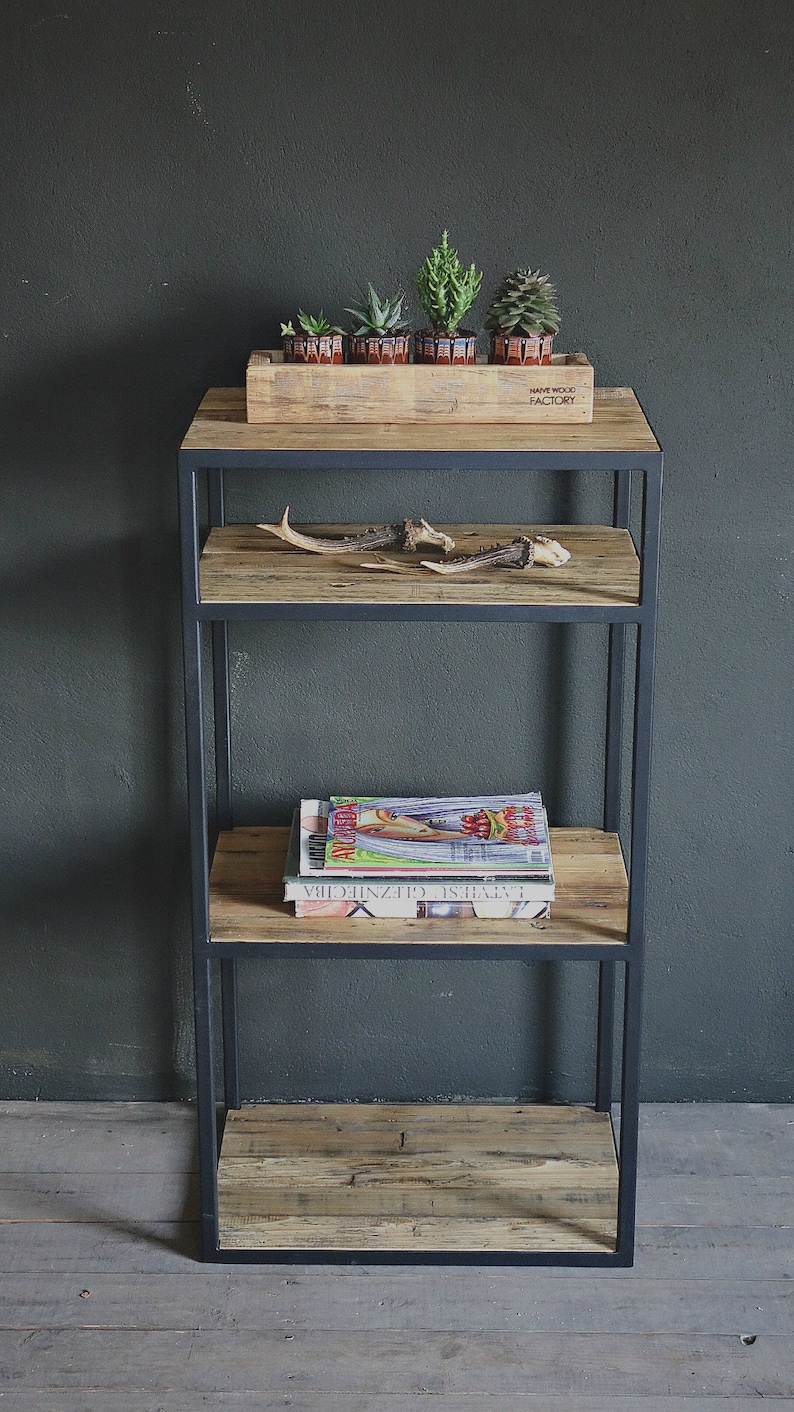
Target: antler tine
(407, 535)
(378, 538)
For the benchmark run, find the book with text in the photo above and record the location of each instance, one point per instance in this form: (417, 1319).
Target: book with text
(478, 835)
(448, 911)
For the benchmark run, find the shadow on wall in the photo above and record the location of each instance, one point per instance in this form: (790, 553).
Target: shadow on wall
(93, 840)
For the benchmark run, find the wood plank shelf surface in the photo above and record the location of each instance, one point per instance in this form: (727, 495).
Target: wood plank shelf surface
(618, 424)
(246, 900)
(417, 1177)
(243, 564)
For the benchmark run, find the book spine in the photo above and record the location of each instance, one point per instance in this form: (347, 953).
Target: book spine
(446, 911)
(353, 890)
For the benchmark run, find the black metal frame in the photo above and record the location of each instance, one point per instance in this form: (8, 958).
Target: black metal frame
(623, 466)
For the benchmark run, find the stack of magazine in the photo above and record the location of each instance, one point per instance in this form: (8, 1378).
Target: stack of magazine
(482, 856)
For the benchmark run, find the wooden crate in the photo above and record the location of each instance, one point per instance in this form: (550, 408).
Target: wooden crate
(279, 392)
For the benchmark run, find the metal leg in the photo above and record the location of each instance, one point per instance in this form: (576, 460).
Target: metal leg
(223, 794)
(612, 795)
(199, 860)
(220, 677)
(629, 1112)
(205, 1103)
(231, 1056)
(640, 809)
(605, 1040)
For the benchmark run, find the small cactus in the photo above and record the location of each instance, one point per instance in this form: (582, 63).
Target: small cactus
(317, 327)
(446, 290)
(524, 302)
(377, 316)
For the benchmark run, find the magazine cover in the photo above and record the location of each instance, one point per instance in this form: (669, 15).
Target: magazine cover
(484, 835)
(307, 850)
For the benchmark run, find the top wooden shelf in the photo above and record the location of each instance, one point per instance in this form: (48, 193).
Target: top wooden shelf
(618, 425)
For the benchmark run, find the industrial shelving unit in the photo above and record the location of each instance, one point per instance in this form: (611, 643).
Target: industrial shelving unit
(523, 1184)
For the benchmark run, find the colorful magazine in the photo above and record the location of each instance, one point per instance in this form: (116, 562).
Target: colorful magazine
(479, 835)
(306, 851)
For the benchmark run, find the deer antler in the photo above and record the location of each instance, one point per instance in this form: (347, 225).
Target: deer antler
(518, 555)
(407, 535)
(521, 554)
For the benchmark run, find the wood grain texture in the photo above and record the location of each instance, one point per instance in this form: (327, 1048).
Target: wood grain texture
(278, 392)
(83, 1137)
(243, 564)
(384, 1366)
(716, 1257)
(258, 1297)
(417, 1177)
(140, 1400)
(618, 424)
(90, 1196)
(105, 1314)
(246, 900)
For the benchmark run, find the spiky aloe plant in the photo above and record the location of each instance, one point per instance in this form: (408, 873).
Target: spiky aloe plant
(317, 327)
(446, 290)
(524, 302)
(378, 316)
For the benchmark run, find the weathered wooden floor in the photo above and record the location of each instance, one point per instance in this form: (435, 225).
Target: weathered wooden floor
(103, 1307)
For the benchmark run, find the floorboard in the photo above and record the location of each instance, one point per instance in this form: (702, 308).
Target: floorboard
(103, 1304)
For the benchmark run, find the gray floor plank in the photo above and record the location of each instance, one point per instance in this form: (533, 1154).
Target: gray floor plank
(58, 1400)
(98, 1137)
(33, 1247)
(716, 1253)
(103, 1196)
(343, 1362)
(98, 1193)
(693, 1200)
(716, 1139)
(259, 1300)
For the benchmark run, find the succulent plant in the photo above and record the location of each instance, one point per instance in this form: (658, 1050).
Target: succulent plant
(377, 316)
(317, 327)
(446, 290)
(524, 302)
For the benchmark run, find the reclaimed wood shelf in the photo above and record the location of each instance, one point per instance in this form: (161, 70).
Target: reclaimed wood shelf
(243, 564)
(247, 906)
(618, 425)
(417, 1178)
(430, 1183)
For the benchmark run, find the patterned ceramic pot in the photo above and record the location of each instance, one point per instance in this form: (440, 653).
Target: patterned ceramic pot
(379, 348)
(451, 348)
(521, 349)
(313, 348)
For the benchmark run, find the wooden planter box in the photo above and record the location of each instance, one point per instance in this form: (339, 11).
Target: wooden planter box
(289, 392)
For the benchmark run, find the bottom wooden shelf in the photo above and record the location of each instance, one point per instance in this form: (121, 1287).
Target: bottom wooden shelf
(417, 1177)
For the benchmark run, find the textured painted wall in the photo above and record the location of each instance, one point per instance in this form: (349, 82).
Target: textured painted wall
(179, 176)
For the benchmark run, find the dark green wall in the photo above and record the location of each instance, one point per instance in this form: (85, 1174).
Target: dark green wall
(178, 177)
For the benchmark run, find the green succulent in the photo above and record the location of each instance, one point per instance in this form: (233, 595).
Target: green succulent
(446, 290)
(524, 302)
(316, 327)
(374, 315)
